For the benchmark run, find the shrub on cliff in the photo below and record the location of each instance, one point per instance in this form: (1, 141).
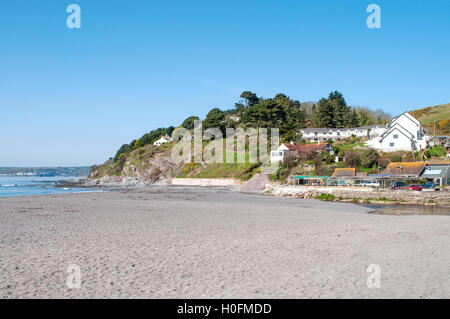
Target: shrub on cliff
(368, 159)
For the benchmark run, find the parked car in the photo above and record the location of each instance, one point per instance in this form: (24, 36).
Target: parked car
(395, 185)
(429, 185)
(415, 188)
(369, 184)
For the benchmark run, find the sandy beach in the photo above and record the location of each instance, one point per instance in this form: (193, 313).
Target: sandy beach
(179, 242)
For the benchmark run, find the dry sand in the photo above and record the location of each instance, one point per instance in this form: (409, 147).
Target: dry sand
(175, 242)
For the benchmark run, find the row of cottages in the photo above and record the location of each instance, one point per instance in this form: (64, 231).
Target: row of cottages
(162, 140)
(437, 172)
(336, 134)
(288, 150)
(403, 133)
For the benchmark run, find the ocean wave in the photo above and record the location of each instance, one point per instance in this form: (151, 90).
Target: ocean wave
(8, 185)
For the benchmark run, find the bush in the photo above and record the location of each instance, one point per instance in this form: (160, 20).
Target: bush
(326, 197)
(351, 159)
(368, 158)
(396, 158)
(436, 151)
(383, 162)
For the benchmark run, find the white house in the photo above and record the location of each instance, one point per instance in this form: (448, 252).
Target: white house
(162, 140)
(403, 133)
(286, 150)
(336, 134)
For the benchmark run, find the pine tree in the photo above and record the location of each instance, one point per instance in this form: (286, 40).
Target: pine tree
(325, 113)
(355, 119)
(315, 122)
(341, 117)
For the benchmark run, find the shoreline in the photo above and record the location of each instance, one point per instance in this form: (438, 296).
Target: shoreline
(381, 207)
(358, 195)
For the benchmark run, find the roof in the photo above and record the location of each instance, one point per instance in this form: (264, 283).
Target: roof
(406, 115)
(344, 172)
(327, 129)
(307, 148)
(395, 127)
(310, 177)
(405, 168)
(290, 147)
(438, 163)
(362, 174)
(436, 171)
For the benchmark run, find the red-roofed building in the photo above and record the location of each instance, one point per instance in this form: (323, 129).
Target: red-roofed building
(287, 150)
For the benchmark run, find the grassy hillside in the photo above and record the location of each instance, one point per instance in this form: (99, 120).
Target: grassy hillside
(153, 163)
(140, 160)
(432, 116)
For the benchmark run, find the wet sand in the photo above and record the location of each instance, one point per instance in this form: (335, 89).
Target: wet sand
(175, 242)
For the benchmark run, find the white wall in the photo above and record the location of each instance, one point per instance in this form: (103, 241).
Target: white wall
(409, 126)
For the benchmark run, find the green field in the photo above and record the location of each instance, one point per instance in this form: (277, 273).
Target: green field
(435, 116)
(429, 115)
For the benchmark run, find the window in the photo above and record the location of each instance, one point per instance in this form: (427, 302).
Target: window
(391, 144)
(276, 153)
(395, 135)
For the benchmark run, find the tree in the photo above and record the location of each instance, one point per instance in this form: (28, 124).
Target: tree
(364, 117)
(250, 98)
(325, 113)
(354, 118)
(239, 108)
(351, 159)
(292, 135)
(214, 119)
(189, 122)
(267, 113)
(341, 116)
(293, 114)
(124, 149)
(368, 158)
(314, 118)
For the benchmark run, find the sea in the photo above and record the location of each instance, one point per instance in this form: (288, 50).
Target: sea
(11, 186)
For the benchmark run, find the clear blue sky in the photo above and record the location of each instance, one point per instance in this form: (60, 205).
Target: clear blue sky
(72, 97)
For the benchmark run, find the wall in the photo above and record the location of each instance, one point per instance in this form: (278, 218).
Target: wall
(363, 193)
(206, 181)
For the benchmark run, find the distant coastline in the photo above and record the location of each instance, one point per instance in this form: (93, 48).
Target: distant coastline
(45, 171)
